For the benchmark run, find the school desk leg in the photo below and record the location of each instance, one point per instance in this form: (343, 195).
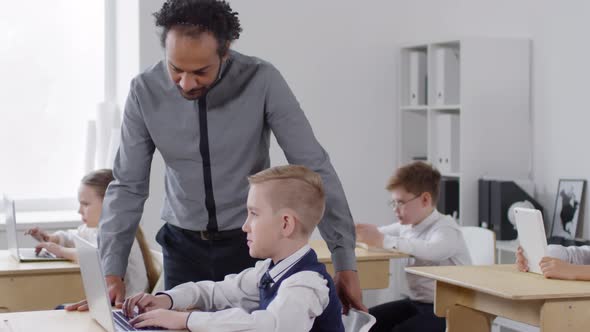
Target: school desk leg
(565, 315)
(463, 319)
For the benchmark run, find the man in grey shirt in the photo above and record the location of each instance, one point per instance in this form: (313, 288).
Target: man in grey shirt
(209, 111)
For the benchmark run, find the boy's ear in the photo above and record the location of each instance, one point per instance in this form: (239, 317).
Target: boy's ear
(426, 198)
(289, 222)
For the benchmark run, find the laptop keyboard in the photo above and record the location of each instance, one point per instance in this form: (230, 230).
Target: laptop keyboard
(45, 254)
(29, 253)
(122, 323)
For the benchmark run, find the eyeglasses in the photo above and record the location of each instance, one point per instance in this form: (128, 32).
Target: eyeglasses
(400, 204)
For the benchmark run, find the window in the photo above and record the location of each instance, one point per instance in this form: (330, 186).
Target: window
(52, 68)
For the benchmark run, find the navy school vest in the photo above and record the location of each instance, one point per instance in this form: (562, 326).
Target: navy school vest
(331, 318)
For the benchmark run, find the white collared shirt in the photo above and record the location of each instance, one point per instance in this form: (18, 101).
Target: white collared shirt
(283, 266)
(136, 280)
(572, 254)
(231, 304)
(436, 241)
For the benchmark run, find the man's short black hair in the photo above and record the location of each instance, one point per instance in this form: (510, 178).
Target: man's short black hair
(197, 16)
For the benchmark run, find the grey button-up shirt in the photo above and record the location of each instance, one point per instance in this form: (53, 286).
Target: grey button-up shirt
(249, 100)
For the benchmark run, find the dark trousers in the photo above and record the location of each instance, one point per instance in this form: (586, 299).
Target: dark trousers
(195, 256)
(406, 315)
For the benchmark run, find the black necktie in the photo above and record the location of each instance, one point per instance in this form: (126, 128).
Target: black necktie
(265, 281)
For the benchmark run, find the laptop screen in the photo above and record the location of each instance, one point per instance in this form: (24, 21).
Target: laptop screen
(94, 283)
(10, 220)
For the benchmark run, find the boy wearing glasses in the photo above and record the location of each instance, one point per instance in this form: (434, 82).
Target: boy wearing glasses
(421, 231)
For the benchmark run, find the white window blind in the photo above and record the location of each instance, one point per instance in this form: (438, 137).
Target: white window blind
(52, 78)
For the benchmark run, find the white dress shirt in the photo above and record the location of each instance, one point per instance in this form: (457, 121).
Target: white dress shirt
(437, 240)
(573, 254)
(231, 304)
(136, 280)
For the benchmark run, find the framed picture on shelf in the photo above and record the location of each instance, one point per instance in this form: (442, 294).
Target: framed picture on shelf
(568, 202)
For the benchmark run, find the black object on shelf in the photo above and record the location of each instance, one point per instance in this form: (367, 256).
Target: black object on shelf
(496, 198)
(567, 242)
(448, 197)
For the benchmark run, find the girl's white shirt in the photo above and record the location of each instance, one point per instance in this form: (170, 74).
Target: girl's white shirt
(573, 254)
(136, 280)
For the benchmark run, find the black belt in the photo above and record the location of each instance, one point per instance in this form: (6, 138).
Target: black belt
(221, 235)
(214, 235)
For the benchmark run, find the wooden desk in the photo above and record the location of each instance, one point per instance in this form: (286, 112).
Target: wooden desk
(44, 285)
(373, 267)
(50, 321)
(470, 297)
(38, 285)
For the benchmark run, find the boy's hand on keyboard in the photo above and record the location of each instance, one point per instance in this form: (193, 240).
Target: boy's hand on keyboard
(172, 320)
(144, 303)
(38, 234)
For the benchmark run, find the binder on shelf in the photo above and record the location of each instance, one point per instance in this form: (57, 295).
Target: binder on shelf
(447, 130)
(417, 78)
(448, 197)
(447, 76)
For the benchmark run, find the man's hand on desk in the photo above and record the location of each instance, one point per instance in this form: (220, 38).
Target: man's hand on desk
(369, 234)
(116, 288)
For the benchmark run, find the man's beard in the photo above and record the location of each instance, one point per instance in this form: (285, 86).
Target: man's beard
(192, 94)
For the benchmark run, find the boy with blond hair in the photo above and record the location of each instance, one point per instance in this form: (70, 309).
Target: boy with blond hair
(288, 291)
(428, 236)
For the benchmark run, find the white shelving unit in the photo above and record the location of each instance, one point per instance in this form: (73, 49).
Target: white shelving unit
(464, 106)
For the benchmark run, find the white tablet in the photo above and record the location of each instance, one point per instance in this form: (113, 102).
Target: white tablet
(531, 235)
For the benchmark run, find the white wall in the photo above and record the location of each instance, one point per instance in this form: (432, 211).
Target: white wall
(560, 71)
(339, 58)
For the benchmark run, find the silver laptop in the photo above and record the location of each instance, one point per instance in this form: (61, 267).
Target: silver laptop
(22, 254)
(96, 290)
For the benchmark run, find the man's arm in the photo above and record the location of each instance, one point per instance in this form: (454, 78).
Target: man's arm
(126, 195)
(295, 136)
